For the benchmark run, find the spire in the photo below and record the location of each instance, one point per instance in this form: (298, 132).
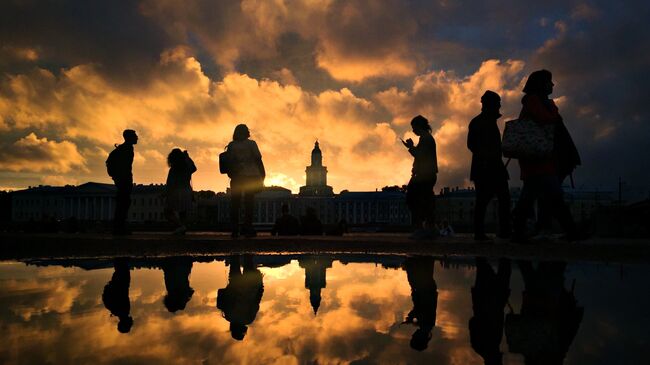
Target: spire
(316, 155)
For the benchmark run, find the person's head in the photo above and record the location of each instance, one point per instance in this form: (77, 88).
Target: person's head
(420, 339)
(491, 101)
(420, 125)
(125, 324)
(241, 133)
(175, 157)
(539, 83)
(238, 330)
(285, 209)
(177, 301)
(130, 137)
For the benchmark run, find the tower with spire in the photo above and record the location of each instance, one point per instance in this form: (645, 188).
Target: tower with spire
(316, 176)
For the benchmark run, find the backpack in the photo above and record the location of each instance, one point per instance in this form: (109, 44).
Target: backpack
(225, 162)
(113, 162)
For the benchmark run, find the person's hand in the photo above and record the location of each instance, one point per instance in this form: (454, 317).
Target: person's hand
(408, 143)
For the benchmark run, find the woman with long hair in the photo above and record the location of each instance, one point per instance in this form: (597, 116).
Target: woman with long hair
(179, 188)
(542, 178)
(419, 192)
(246, 179)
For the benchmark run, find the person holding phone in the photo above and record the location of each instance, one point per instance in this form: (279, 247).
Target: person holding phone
(419, 192)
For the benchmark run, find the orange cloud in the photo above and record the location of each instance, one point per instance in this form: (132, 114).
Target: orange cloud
(35, 154)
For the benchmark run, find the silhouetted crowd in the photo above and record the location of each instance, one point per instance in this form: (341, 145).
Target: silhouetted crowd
(538, 139)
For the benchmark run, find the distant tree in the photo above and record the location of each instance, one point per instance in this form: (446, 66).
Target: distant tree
(394, 188)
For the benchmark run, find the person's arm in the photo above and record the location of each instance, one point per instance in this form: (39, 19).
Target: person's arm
(539, 112)
(190, 164)
(258, 155)
(473, 138)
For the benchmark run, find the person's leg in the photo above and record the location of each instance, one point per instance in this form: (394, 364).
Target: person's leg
(249, 205)
(554, 195)
(503, 197)
(484, 192)
(428, 205)
(122, 204)
(235, 202)
(412, 203)
(529, 192)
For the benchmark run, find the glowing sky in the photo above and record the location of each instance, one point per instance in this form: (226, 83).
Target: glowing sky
(74, 74)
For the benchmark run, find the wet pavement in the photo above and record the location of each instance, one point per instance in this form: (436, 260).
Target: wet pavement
(322, 308)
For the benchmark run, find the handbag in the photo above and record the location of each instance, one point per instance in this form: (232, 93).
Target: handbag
(527, 139)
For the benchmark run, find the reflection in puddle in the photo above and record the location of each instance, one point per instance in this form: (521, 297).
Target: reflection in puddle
(293, 309)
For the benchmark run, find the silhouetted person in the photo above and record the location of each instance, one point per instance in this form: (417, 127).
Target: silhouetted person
(543, 177)
(549, 317)
(489, 297)
(119, 166)
(419, 192)
(424, 293)
(310, 225)
(240, 299)
(246, 179)
(116, 295)
(446, 230)
(286, 225)
(488, 172)
(179, 188)
(315, 277)
(176, 271)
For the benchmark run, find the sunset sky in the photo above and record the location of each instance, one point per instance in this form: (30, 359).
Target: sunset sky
(74, 74)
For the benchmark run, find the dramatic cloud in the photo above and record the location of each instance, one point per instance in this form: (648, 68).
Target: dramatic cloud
(351, 74)
(31, 153)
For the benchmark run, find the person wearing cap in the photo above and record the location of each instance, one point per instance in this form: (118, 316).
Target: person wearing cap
(488, 172)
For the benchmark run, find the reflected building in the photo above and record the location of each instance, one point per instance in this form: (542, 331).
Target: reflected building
(424, 294)
(315, 277)
(116, 295)
(549, 318)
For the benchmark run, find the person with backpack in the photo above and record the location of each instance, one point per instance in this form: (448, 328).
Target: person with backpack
(488, 172)
(179, 188)
(246, 172)
(542, 177)
(419, 192)
(119, 167)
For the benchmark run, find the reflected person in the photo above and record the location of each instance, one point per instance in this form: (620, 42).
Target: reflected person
(549, 318)
(176, 271)
(489, 297)
(424, 293)
(116, 295)
(240, 300)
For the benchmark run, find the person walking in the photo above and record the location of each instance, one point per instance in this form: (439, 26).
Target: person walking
(542, 178)
(179, 188)
(246, 179)
(419, 192)
(119, 166)
(488, 172)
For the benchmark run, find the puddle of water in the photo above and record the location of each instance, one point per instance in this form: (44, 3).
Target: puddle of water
(358, 309)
